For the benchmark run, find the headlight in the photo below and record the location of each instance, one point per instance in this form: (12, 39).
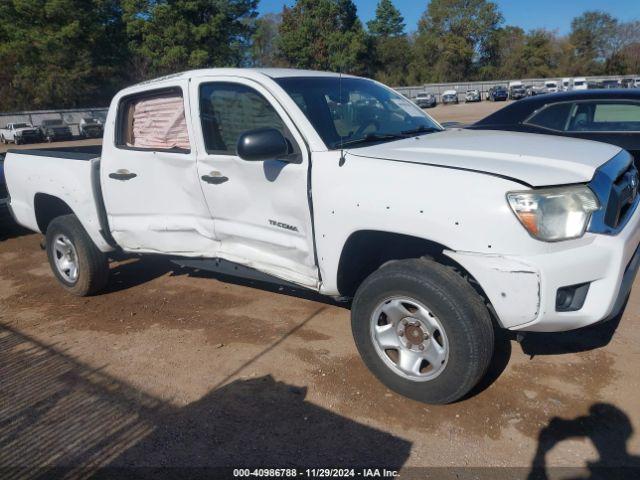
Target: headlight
(554, 214)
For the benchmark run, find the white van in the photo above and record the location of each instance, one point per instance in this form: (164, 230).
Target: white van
(580, 83)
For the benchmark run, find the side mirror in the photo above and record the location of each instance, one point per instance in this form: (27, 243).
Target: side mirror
(262, 144)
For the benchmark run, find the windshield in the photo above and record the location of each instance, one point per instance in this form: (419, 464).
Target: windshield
(20, 125)
(352, 111)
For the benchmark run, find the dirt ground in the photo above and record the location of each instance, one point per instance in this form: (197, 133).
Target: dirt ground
(176, 368)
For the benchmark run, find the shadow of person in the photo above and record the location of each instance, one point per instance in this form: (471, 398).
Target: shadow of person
(260, 423)
(608, 428)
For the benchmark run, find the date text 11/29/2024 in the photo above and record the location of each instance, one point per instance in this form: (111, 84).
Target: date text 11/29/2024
(315, 473)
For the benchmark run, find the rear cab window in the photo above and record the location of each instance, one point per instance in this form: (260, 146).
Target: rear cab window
(153, 121)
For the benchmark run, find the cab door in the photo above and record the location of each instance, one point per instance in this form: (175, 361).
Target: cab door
(149, 175)
(260, 209)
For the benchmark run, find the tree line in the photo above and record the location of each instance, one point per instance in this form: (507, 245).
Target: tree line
(68, 53)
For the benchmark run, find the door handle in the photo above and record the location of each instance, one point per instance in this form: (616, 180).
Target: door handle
(215, 178)
(122, 175)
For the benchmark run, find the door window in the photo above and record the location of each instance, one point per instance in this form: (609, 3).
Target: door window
(605, 117)
(227, 110)
(153, 122)
(553, 117)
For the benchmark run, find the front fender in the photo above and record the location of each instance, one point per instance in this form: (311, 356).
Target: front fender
(466, 211)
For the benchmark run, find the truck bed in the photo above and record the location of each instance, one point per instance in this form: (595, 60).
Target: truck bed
(56, 179)
(86, 153)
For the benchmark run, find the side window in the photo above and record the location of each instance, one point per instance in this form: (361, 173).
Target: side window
(606, 117)
(154, 121)
(227, 110)
(554, 117)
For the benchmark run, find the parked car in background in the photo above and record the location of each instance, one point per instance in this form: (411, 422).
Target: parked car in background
(472, 96)
(497, 94)
(566, 84)
(533, 90)
(610, 116)
(517, 91)
(212, 168)
(426, 100)
(580, 83)
(551, 86)
(20, 133)
(55, 129)
(91, 127)
(636, 83)
(450, 96)
(626, 83)
(609, 84)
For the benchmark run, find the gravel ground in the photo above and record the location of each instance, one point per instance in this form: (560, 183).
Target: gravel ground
(175, 368)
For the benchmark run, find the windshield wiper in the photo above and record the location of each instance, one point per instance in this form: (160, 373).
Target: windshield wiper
(421, 129)
(372, 137)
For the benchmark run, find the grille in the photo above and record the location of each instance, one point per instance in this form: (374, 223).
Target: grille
(622, 197)
(616, 185)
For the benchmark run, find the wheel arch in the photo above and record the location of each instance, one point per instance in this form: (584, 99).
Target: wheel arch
(48, 207)
(367, 250)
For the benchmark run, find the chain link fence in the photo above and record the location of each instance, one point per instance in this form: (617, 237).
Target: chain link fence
(461, 87)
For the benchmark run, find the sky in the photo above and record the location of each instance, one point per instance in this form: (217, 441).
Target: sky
(553, 15)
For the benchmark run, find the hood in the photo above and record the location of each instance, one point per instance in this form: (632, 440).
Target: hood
(537, 160)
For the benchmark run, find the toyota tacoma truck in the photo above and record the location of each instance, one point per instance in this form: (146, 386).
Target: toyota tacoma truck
(436, 238)
(55, 129)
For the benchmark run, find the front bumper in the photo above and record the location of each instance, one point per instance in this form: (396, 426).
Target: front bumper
(523, 289)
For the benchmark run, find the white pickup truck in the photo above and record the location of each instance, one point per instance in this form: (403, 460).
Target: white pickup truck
(340, 185)
(20, 133)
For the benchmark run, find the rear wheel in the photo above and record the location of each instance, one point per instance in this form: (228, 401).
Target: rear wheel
(422, 330)
(77, 263)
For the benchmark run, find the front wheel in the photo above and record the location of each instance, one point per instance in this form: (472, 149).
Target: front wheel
(77, 263)
(422, 330)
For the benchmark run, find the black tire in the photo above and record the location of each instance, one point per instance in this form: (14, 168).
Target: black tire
(92, 264)
(458, 307)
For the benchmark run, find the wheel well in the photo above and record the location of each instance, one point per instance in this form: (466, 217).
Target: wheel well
(367, 250)
(47, 207)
